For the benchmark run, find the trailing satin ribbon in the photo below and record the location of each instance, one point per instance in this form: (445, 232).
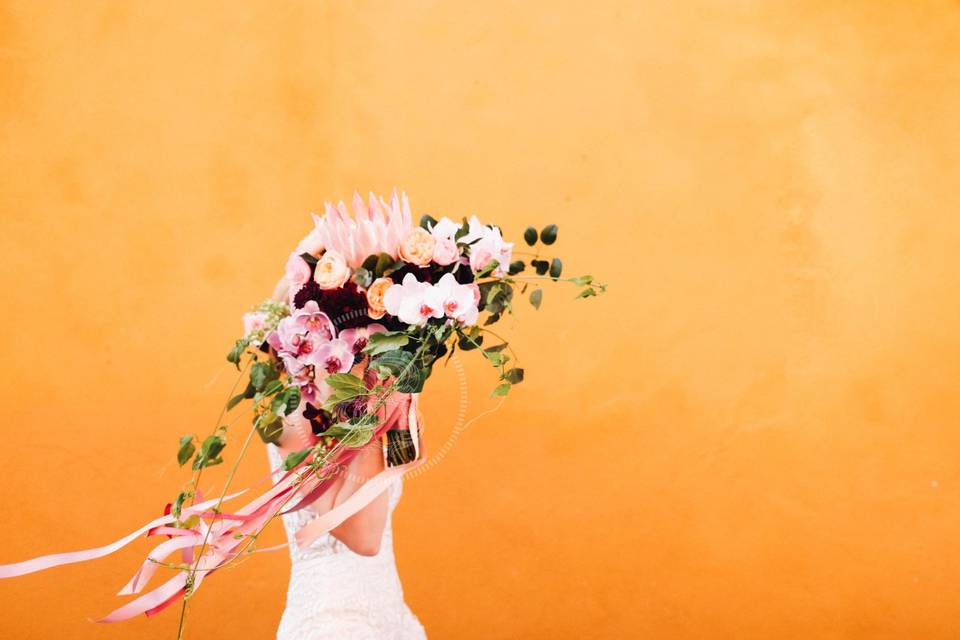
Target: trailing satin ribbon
(70, 557)
(227, 531)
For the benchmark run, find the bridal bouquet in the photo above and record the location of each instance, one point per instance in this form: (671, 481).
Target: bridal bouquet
(369, 302)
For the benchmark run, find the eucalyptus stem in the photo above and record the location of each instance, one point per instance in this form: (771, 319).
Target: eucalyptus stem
(195, 481)
(216, 511)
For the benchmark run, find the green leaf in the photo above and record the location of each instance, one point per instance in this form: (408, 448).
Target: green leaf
(355, 432)
(548, 235)
(495, 358)
(530, 236)
(427, 221)
(495, 317)
(262, 373)
(487, 270)
(496, 348)
(346, 382)
(187, 449)
(586, 293)
(272, 387)
(467, 343)
(541, 266)
(385, 341)
(294, 458)
(581, 280)
(210, 451)
(370, 264)
(309, 258)
(556, 267)
(235, 400)
(501, 389)
(386, 265)
(269, 426)
(536, 297)
(462, 231)
(177, 506)
(513, 376)
(517, 266)
(285, 402)
(237, 352)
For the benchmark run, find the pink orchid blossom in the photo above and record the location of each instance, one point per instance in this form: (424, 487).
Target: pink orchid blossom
(488, 247)
(333, 356)
(311, 319)
(458, 300)
(413, 302)
(291, 338)
(358, 337)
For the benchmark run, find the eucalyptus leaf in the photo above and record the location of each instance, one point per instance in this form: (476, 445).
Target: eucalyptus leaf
(587, 293)
(581, 280)
(362, 277)
(501, 389)
(467, 343)
(493, 318)
(536, 297)
(530, 236)
(556, 268)
(517, 266)
(548, 235)
(542, 266)
(513, 376)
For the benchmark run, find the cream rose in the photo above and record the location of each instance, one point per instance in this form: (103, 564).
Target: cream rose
(331, 271)
(417, 247)
(375, 293)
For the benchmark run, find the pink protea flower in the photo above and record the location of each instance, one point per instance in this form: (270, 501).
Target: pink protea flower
(358, 337)
(377, 227)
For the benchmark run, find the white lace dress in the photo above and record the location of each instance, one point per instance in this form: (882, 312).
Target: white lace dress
(335, 593)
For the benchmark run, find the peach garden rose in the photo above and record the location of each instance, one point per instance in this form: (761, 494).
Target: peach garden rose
(331, 271)
(375, 293)
(417, 247)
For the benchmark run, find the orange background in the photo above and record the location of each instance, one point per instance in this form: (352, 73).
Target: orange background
(753, 435)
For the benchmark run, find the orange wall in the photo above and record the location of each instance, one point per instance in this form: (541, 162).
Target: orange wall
(753, 435)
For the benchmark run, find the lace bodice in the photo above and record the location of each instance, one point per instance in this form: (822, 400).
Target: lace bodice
(336, 593)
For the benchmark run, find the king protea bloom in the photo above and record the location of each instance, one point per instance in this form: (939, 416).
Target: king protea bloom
(375, 227)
